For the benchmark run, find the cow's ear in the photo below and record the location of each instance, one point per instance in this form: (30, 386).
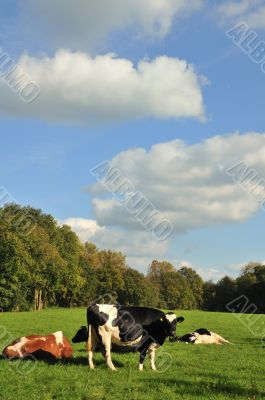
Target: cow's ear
(180, 319)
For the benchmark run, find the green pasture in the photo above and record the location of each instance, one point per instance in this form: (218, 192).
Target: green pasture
(235, 371)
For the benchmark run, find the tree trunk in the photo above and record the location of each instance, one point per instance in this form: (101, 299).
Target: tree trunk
(38, 303)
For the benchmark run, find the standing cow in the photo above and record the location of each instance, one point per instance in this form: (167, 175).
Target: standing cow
(145, 328)
(82, 336)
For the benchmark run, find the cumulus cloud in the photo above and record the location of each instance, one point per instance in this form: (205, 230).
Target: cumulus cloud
(139, 247)
(79, 24)
(76, 88)
(86, 229)
(186, 183)
(251, 12)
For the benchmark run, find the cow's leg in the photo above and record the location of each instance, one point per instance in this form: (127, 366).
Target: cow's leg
(142, 358)
(91, 345)
(151, 352)
(106, 340)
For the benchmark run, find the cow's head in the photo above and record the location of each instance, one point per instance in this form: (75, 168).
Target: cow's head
(81, 335)
(188, 338)
(170, 324)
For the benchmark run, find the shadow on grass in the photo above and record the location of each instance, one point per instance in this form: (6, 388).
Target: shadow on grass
(49, 359)
(83, 361)
(184, 387)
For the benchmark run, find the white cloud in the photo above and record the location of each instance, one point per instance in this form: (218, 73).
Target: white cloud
(210, 274)
(185, 182)
(80, 23)
(207, 274)
(80, 89)
(139, 247)
(214, 274)
(251, 12)
(86, 229)
(231, 270)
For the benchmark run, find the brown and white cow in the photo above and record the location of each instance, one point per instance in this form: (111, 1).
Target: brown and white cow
(54, 344)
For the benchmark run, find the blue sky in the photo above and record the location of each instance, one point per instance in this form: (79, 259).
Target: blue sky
(93, 109)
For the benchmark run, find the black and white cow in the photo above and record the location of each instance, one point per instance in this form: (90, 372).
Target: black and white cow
(202, 336)
(145, 328)
(81, 336)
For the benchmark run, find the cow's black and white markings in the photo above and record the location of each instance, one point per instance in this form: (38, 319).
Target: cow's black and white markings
(202, 336)
(81, 336)
(140, 327)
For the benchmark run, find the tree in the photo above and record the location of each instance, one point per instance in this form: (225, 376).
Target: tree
(134, 290)
(110, 274)
(71, 250)
(14, 276)
(209, 296)
(46, 270)
(44, 264)
(226, 291)
(176, 291)
(155, 274)
(196, 285)
(173, 288)
(152, 293)
(251, 284)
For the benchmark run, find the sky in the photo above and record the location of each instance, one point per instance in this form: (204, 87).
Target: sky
(168, 92)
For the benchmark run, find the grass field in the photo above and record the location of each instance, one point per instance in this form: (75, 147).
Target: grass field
(194, 372)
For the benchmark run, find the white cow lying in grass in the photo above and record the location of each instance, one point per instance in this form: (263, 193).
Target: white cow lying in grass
(202, 336)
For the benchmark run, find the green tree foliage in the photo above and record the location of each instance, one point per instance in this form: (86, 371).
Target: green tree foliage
(110, 273)
(39, 260)
(15, 264)
(250, 286)
(226, 291)
(155, 276)
(134, 289)
(196, 285)
(209, 296)
(43, 263)
(175, 288)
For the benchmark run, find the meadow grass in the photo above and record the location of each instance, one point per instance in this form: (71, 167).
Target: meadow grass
(186, 371)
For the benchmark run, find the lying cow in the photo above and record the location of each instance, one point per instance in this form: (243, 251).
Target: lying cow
(82, 336)
(54, 344)
(202, 336)
(145, 328)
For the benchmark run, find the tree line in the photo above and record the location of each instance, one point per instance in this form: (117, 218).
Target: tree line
(44, 264)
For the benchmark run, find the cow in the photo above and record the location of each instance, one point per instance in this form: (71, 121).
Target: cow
(55, 345)
(82, 336)
(143, 327)
(202, 336)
